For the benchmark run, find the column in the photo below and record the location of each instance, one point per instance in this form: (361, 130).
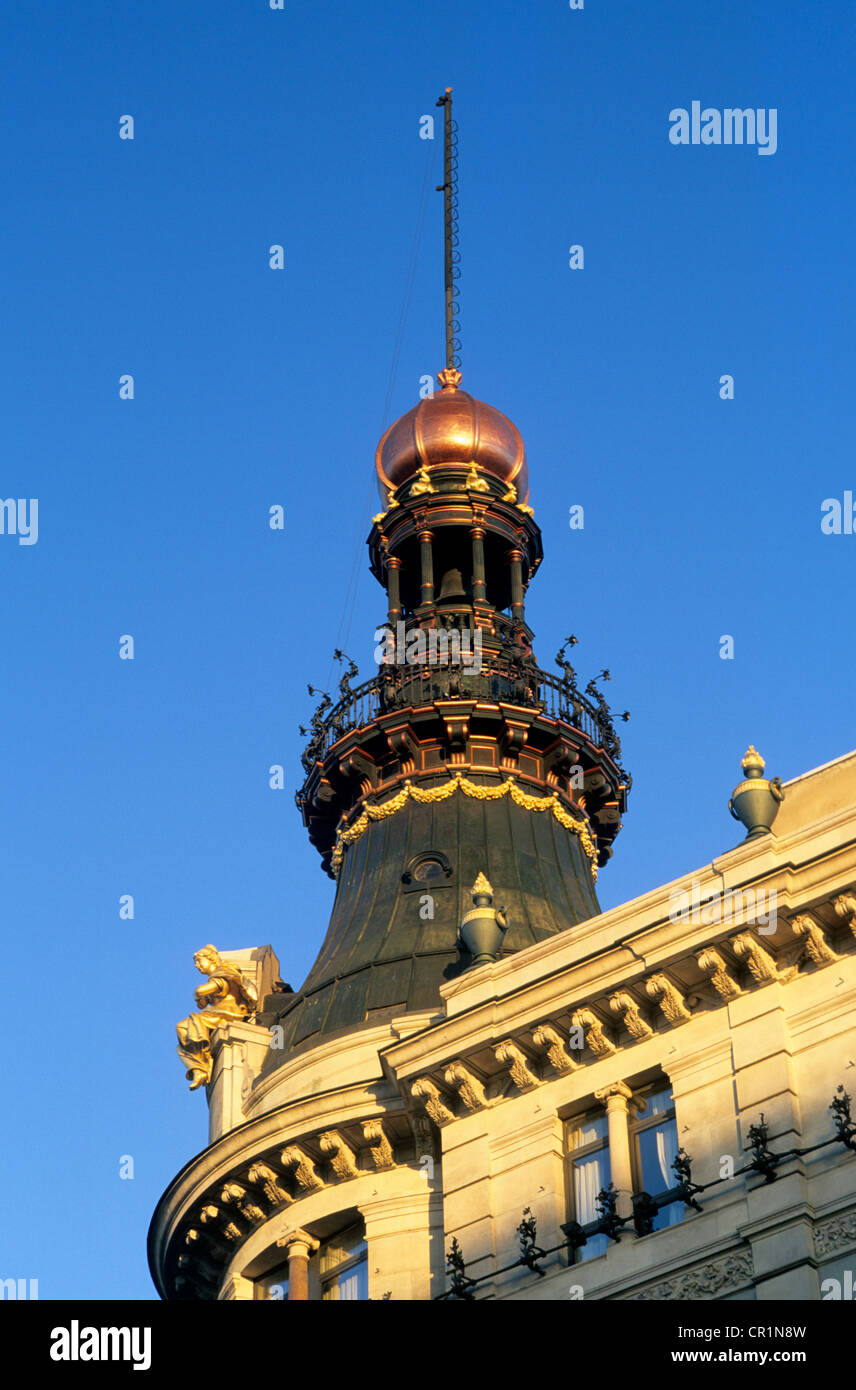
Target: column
(427, 556)
(479, 594)
(515, 560)
(298, 1246)
(393, 589)
(615, 1098)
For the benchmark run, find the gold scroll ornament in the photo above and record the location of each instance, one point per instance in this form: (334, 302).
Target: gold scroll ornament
(459, 783)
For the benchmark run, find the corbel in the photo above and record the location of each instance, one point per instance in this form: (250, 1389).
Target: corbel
(339, 1154)
(549, 1040)
(670, 1002)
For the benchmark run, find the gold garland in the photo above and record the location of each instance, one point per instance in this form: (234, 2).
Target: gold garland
(459, 783)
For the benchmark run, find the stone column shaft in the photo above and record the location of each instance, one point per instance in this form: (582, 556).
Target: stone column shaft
(615, 1099)
(298, 1247)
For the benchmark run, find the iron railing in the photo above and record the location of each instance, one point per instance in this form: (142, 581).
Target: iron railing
(763, 1163)
(402, 686)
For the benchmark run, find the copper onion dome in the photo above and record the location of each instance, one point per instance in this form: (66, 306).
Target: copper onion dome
(452, 427)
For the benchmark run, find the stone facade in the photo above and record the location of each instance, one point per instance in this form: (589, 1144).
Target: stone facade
(446, 1124)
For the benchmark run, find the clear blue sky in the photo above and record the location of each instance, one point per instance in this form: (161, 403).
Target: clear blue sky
(254, 387)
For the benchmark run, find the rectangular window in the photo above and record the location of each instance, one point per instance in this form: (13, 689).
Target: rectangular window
(588, 1172)
(344, 1266)
(654, 1140)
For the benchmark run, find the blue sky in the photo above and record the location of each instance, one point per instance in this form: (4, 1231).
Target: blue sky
(255, 387)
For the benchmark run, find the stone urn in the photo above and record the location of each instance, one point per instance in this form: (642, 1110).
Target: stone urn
(756, 801)
(483, 929)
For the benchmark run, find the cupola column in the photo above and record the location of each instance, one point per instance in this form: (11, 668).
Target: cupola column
(393, 589)
(427, 557)
(515, 560)
(479, 594)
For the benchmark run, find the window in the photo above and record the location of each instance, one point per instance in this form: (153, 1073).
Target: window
(344, 1266)
(588, 1160)
(273, 1285)
(654, 1145)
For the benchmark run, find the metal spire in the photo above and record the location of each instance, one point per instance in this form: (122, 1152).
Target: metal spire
(449, 189)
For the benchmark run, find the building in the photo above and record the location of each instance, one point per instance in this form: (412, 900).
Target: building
(487, 1088)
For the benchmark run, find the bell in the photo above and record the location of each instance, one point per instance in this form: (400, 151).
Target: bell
(451, 586)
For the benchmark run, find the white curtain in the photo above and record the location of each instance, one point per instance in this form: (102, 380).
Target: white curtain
(667, 1152)
(589, 1177)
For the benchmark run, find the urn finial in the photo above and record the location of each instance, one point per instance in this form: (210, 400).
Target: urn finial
(483, 929)
(756, 801)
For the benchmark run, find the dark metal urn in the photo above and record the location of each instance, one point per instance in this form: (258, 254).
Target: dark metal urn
(483, 929)
(756, 801)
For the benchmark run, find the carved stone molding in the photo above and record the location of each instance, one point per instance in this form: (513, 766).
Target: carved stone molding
(468, 1086)
(379, 1145)
(595, 1037)
(297, 1242)
(671, 1004)
(235, 1195)
(712, 963)
(428, 1093)
(261, 1175)
(625, 1005)
(705, 1281)
(549, 1040)
(509, 1055)
(304, 1172)
(835, 1233)
(212, 1216)
(762, 966)
(205, 1243)
(845, 908)
(615, 1088)
(341, 1156)
(237, 1289)
(424, 1135)
(815, 942)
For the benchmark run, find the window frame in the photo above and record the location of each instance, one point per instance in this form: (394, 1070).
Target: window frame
(570, 1157)
(638, 1125)
(328, 1278)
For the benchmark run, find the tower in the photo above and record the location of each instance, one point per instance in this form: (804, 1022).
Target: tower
(482, 1071)
(460, 755)
(462, 799)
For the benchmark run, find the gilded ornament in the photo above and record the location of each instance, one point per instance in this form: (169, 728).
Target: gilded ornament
(432, 795)
(225, 997)
(423, 483)
(472, 482)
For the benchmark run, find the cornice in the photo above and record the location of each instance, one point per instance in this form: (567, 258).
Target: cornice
(509, 1044)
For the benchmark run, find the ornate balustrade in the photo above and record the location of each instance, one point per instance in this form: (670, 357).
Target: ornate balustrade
(404, 686)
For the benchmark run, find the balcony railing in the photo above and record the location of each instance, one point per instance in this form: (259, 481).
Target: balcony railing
(762, 1163)
(401, 686)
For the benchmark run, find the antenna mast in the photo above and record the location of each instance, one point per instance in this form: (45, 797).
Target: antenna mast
(449, 189)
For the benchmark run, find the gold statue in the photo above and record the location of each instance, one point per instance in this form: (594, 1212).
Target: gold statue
(423, 483)
(224, 997)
